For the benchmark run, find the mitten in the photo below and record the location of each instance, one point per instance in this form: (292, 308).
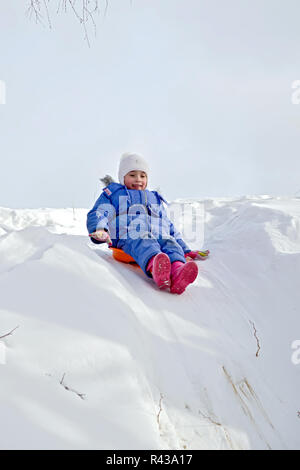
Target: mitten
(101, 236)
(197, 254)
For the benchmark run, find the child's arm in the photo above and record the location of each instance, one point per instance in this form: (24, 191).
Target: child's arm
(178, 237)
(98, 218)
(188, 253)
(197, 254)
(102, 236)
(173, 232)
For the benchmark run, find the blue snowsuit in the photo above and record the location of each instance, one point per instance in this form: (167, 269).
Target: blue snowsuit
(137, 223)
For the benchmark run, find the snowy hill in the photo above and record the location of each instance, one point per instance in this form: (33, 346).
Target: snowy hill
(101, 359)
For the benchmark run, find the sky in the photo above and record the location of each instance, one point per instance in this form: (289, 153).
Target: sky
(201, 88)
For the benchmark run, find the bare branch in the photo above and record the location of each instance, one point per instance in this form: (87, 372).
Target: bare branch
(80, 395)
(75, 12)
(106, 7)
(160, 409)
(256, 337)
(10, 333)
(84, 11)
(34, 9)
(47, 13)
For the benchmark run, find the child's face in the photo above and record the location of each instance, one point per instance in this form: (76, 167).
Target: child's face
(136, 180)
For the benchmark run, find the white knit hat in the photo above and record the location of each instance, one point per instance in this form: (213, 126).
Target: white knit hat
(131, 162)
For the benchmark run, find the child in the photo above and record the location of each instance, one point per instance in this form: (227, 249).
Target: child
(132, 218)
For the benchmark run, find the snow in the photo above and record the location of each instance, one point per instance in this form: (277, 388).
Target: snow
(103, 360)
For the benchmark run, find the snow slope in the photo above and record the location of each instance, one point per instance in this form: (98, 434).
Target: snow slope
(103, 360)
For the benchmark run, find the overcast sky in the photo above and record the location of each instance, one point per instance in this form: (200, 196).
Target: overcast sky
(201, 88)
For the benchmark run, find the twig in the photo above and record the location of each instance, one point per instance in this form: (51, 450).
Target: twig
(80, 395)
(10, 333)
(160, 409)
(75, 12)
(84, 10)
(34, 8)
(106, 8)
(256, 337)
(47, 13)
(216, 423)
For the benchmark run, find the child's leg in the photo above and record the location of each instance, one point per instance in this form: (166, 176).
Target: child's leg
(148, 255)
(155, 256)
(172, 249)
(141, 249)
(160, 268)
(182, 273)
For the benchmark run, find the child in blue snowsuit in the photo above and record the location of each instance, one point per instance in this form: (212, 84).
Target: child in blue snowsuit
(132, 218)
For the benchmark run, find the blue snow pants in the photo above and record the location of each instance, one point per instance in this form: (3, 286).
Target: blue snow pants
(142, 249)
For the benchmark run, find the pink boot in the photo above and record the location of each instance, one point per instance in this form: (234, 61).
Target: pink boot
(182, 274)
(160, 268)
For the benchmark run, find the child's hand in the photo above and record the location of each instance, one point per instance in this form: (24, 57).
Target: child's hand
(197, 254)
(101, 236)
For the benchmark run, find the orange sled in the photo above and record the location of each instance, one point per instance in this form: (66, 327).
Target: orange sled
(120, 255)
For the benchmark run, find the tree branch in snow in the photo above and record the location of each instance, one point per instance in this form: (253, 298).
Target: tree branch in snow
(256, 337)
(10, 333)
(80, 395)
(160, 409)
(216, 423)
